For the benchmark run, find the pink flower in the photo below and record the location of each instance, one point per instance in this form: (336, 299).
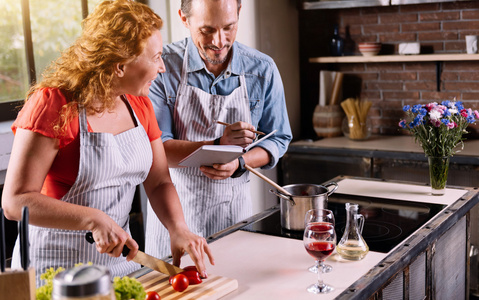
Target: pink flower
(476, 114)
(451, 125)
(436, 122)
(435, 114)
(430, 106)
(464, 113)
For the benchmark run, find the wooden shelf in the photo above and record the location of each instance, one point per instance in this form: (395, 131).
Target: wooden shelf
(308, 5)
(395, 58)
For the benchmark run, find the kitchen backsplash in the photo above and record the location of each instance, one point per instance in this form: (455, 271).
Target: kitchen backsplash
(440, 28)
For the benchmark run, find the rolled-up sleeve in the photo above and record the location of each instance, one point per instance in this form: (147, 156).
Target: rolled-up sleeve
(275, 116)
(163, 112)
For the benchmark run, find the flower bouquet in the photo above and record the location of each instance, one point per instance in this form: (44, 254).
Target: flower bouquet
(439, 129)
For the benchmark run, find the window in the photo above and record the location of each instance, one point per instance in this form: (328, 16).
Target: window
(32, 35)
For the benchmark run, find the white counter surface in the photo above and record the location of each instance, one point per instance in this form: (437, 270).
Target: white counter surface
(269, 267)
(397, 191)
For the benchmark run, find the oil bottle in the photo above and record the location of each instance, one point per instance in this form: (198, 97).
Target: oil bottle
(352, 245)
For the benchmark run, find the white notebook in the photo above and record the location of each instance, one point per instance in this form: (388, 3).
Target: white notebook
(208, 155)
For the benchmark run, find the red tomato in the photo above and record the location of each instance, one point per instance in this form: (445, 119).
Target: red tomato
(190, 268)
(152, 295)
(193, 276)
(179, 282)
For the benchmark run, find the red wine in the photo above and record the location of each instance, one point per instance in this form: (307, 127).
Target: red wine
(320, 226)
(320, 250)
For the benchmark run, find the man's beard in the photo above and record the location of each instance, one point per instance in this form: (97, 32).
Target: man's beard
(215, 61)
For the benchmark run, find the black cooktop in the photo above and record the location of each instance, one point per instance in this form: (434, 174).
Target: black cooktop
(387, 222)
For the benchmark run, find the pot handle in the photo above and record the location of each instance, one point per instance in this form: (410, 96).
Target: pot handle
(286, 197)
(330, 184)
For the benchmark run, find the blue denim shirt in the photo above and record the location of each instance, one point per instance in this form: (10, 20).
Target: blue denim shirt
(263, 82)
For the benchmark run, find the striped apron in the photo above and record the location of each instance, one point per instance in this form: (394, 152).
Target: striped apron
(209, 205)
(110, 168)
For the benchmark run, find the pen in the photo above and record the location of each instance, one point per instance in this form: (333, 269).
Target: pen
(226, 124)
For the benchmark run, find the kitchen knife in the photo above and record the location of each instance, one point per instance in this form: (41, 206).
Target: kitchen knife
(146, 260)
(2, 242)
(24, 239)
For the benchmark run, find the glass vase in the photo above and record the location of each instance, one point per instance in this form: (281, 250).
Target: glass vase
(355, 130)
(438, 169)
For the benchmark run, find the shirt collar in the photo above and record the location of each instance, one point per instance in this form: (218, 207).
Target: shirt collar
(196, 63)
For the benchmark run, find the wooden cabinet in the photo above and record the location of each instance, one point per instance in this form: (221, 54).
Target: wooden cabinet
(439, 272)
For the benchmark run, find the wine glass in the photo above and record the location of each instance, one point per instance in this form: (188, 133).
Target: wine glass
(319, 240)
(316, 215)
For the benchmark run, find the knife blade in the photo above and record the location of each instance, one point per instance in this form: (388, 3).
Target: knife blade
(3, 254)
(146, 260)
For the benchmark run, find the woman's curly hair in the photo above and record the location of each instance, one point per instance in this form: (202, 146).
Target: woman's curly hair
(115, 33)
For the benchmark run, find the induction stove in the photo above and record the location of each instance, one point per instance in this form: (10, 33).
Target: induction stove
(387, 222)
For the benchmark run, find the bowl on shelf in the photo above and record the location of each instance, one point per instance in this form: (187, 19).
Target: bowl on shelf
(369, 49)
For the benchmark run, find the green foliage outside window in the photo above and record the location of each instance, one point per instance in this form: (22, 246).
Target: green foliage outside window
(54, 24)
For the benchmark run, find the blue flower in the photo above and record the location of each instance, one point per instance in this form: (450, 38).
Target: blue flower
(417, 121)
(416, 108)
(438, 127)
(406, 107)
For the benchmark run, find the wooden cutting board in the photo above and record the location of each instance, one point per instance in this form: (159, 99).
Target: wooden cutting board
(213, 287)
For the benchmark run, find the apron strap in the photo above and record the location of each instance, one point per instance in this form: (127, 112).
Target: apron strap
(184, 72)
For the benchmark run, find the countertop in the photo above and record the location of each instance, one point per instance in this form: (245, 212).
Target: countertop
(269, 267)
(380, 143)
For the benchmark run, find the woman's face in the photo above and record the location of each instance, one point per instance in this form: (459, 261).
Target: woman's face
(138, 74)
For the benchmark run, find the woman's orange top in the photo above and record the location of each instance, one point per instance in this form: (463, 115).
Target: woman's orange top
(41, 112)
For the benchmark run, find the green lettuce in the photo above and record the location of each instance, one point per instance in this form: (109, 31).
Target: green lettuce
(125, 288)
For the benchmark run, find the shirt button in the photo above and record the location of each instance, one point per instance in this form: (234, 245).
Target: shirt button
(228, 73)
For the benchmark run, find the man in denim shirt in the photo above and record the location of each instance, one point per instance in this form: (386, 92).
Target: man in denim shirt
(209, 77)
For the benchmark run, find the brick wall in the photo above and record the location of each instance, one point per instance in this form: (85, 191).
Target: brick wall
(439, 27)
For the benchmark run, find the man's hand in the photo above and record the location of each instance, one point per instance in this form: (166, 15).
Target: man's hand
(220, 171)
(239, 133)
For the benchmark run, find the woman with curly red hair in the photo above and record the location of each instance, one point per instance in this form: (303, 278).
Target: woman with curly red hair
(85, 138)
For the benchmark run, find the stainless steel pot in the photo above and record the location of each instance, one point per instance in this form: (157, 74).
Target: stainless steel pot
(303, 198)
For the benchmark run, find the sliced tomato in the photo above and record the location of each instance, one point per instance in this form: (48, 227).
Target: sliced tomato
(193, 276)
(179, 282)
(193, 268)
(152, 295)
(190, 268)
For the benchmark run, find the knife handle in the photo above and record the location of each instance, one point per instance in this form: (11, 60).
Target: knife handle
(23, 231)
(3, 253)
(91, 240)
